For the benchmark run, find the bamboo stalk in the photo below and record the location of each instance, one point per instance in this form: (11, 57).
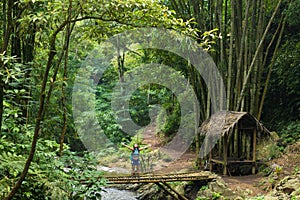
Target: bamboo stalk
(242, 93)
(254, 150)
(270, 71)
(230, 62)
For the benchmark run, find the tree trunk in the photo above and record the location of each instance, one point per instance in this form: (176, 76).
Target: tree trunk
(15, 36)
(197, 134)
(65, 77)
(7, 26)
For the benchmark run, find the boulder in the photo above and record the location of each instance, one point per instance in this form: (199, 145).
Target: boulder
(287, 188)
(216, 189)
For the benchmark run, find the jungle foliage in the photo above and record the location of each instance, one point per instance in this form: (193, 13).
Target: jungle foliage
(255, 45)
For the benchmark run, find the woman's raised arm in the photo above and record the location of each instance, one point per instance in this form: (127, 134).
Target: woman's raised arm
(123, 144)
(145, 147)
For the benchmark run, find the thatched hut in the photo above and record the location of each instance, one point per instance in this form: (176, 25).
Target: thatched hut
(233, 138)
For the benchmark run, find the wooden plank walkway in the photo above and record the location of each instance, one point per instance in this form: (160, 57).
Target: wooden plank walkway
(162, 178)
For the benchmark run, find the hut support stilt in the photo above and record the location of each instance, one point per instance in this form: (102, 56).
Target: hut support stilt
(210, 162)
(254, 151)
(236, 143)
(225, 148)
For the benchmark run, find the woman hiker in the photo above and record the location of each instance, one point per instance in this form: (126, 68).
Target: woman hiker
(135, 157)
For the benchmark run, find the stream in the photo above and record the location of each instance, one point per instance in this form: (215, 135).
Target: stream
(117, 194)
(110, 193)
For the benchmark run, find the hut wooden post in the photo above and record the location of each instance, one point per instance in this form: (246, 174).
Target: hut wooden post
(254, 151)
(244, 144)
(240, 147)
(248, 147)
(236, 143)
(210, 161)
(225, 147)
(220, 148)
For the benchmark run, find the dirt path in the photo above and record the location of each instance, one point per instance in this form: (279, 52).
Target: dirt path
(185, 162)
(248, 184)
(149, 137)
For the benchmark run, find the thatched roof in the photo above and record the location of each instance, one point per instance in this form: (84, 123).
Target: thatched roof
(223, 122)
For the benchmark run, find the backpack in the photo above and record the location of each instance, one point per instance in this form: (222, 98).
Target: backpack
(135, 154)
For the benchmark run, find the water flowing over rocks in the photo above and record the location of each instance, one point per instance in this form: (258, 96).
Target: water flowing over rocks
(117, 194)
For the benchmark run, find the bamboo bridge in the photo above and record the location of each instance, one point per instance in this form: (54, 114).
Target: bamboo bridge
(151, 178)
(162, 179)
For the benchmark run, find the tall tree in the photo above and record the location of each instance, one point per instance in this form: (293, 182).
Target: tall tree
(45, 23)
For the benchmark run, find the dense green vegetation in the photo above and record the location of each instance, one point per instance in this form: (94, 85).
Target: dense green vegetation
(255, 45)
